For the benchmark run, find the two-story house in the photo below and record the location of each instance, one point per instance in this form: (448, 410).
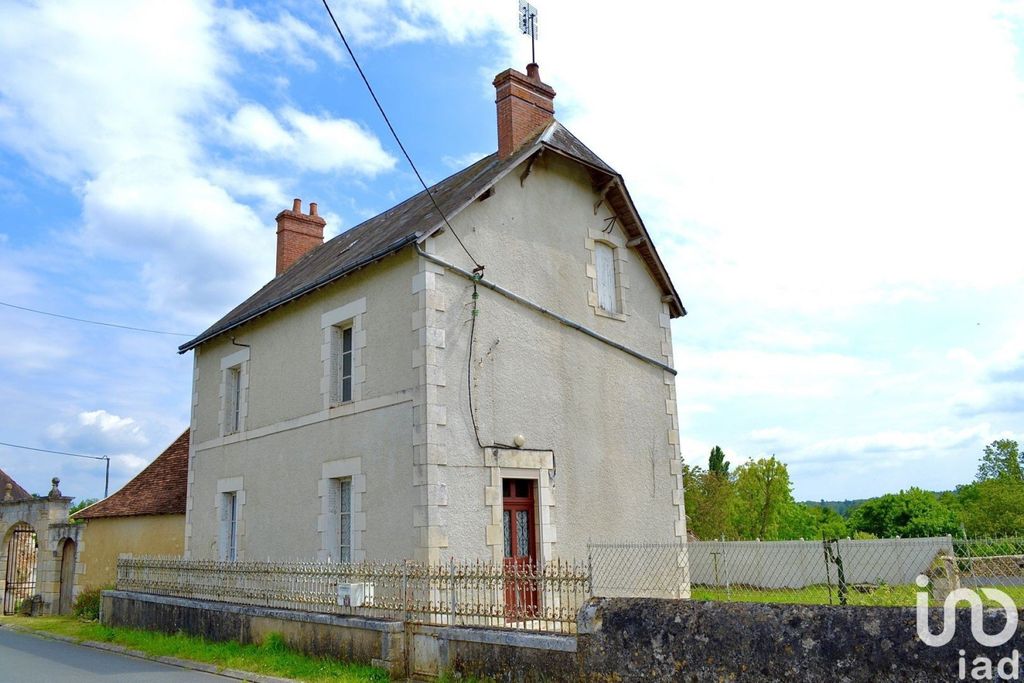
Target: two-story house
(383, 398)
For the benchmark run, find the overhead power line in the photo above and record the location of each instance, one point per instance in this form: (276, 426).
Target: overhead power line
(106, 480)
(47, 450)
(395, 135)
(93, 322)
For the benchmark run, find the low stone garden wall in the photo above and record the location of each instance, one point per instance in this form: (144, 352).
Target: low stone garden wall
(620, 639)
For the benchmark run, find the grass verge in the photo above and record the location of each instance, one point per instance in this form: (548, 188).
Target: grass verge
(272, 658)
(904, 595)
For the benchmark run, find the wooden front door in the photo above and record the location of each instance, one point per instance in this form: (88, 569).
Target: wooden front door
(67, 577)
(518, 519)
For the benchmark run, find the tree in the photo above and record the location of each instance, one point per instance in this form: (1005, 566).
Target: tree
(1000, 461)
(709, 502)
(717, 463)
(994, 507)
(763, 491)
(913, 513)
(81, 505)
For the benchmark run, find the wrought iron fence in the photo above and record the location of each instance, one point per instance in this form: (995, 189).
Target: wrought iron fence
(839, 572)
(536, 598)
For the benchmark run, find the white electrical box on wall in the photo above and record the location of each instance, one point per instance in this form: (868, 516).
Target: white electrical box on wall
(355, 594)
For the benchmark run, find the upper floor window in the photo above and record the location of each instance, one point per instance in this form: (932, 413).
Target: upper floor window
(232, 399)
(341, 364)
(234, 391)
(344, 339)
(607, 285)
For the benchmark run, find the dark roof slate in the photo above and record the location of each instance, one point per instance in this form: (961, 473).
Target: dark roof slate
(17, 493)
(399, 226)
(160, 489)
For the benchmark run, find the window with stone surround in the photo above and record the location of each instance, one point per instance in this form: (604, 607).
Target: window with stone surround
(607, 282)
(342, 354)
(234, 390)
(340, 506)
(229, 526)
(341, 363)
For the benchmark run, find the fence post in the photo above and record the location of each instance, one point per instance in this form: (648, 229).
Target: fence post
(590, 569)
(828, 571)
(451, 590)
(725, 571)
(405, 591)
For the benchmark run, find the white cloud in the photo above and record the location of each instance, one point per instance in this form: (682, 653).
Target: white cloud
(309, 142)
(127, 117)
(812, 156)
(287, 37)
(731, 373)
(99, 432)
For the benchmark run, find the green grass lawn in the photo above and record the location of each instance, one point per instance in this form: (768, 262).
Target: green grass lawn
(271, 658)
(904, 595)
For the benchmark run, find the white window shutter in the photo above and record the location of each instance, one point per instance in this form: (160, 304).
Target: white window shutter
(605, 263)
(335, 364)
(332, 497)
(225, 525)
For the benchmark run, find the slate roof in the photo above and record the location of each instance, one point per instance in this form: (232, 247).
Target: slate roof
(417, 217)
(160, 489)
(17, 493)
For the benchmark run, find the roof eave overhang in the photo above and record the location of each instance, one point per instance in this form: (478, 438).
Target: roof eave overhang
(311, 287)
(633, 225)
(645, 247)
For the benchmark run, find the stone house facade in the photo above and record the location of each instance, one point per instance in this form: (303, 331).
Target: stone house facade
(384, 397)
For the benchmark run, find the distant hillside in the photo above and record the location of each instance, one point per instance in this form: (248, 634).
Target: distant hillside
(843, 507)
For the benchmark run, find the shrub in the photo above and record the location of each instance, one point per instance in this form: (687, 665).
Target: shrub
(87, 605)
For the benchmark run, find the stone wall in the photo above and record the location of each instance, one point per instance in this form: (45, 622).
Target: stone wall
(619, 640)
(650, 639)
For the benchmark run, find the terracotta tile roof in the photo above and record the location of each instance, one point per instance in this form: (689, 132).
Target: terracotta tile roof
(17, 493)
(408, 221)
(159, 489)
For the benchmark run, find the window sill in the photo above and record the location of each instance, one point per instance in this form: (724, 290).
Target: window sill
(608, 314)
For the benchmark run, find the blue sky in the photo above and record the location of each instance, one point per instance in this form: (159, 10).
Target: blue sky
(835, 188)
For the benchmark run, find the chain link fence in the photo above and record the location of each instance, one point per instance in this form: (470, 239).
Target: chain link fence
(836, 572)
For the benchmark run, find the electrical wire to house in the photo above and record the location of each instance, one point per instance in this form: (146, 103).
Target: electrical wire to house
(478, 266)
(92, 322)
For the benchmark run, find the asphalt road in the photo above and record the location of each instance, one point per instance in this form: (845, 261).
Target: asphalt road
(27, 658)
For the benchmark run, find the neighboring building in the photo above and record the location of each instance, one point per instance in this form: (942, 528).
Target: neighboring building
(145, 517)
(38, 550)
(365, 404)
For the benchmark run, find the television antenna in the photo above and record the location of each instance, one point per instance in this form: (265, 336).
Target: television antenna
(528, 25)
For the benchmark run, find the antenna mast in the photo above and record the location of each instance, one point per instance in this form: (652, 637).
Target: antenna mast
(528, 25)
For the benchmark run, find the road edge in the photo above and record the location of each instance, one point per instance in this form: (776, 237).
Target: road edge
(191, 664)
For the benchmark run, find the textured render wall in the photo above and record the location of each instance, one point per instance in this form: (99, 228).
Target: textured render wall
(289, 435)
(285, 365)
(106, 538)
(607, 417)
(281, 477)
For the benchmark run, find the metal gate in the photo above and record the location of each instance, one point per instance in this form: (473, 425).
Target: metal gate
(21, 569)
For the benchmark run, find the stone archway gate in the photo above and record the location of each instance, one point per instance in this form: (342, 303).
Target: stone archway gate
(48, 518)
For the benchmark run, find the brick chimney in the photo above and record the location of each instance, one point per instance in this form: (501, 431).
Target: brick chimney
(525, 105)
(297, 233)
